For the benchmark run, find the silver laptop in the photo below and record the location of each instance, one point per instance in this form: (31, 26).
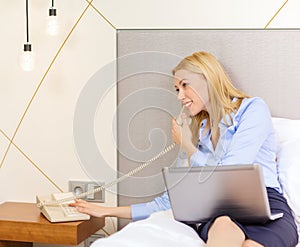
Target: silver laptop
(198, 194)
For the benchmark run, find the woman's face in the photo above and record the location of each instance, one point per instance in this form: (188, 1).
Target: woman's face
(192, 91)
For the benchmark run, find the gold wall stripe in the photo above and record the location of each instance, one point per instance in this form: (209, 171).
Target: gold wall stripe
(276, 14)
(31, 161)
(102, 16)
(42, 80)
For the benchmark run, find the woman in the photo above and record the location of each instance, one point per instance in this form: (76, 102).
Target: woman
(227, 128)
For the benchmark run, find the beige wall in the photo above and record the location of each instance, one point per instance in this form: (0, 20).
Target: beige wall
(46, 132)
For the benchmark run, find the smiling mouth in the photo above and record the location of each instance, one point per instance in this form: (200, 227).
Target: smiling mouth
(188, 104)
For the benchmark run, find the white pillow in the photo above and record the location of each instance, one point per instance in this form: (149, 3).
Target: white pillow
(288, 160)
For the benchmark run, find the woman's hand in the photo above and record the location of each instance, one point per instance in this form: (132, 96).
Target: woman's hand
(89, 208)
(182, 135)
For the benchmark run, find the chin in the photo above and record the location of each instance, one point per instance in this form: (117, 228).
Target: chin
(194, 112)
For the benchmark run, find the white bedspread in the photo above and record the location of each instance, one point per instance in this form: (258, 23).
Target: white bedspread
(159, 230)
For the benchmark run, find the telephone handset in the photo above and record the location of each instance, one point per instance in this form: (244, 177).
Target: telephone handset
(55, 207)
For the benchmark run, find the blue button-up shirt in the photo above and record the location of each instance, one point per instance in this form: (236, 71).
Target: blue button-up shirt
(249, 139)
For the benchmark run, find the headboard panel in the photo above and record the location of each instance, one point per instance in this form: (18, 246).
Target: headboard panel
(262, 63)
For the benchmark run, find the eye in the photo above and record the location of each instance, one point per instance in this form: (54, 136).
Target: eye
(177, 90)
(184, 84)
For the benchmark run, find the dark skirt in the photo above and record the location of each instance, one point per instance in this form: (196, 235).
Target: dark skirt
(279, 233)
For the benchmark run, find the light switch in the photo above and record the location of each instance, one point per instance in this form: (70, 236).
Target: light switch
(78, 187)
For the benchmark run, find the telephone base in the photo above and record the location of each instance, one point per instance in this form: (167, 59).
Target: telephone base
(60, 212)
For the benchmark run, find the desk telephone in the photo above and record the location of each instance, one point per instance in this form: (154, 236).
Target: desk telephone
(55, 206)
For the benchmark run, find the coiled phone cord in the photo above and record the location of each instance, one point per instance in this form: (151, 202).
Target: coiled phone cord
(102, 187)
(118, 180)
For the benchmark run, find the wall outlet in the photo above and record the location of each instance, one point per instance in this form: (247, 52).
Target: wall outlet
(92, 239)
(79, 187)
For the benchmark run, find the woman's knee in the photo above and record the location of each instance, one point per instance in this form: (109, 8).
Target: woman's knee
(223, 228)
(224, 223)
(251, 243)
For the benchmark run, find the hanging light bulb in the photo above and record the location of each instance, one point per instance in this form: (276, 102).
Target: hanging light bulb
(26, 59)
(52, 22)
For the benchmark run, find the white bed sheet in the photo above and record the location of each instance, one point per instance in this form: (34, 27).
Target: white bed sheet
(159, 230)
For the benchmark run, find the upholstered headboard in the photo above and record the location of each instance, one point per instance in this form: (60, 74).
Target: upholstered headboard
(262, 63)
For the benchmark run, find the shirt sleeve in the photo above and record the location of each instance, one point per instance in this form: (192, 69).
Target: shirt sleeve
(144, 210)
(251, 128)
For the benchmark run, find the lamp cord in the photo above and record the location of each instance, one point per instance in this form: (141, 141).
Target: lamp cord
(52, 4)
(27, 26)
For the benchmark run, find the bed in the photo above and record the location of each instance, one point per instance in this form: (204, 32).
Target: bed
(262, 63)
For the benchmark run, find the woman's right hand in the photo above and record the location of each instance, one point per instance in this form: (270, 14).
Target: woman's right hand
(90, 208)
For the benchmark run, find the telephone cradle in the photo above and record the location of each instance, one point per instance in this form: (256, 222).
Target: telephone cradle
(59, 212)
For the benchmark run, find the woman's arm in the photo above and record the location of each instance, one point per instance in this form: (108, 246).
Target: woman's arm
(135, 212)
(100, 211)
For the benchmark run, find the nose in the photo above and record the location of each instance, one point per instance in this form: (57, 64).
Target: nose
(180, 95)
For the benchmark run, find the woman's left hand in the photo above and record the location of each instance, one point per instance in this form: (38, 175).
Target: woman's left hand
(181, 134)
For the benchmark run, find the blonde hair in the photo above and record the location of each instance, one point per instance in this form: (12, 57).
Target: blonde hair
(220, 89)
